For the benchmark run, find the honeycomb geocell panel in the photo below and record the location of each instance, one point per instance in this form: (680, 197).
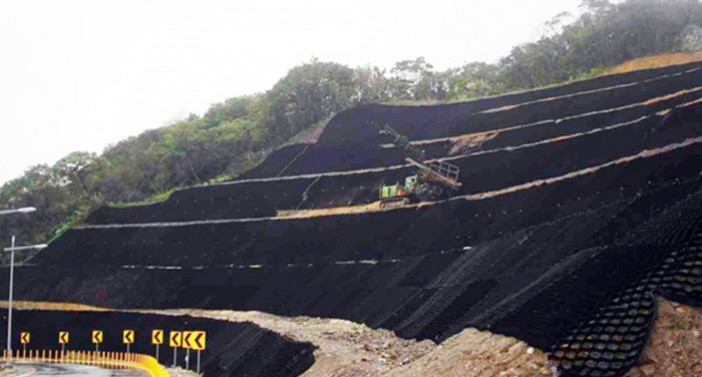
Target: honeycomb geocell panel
(579, 210)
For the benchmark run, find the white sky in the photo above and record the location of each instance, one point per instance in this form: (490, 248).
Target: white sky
(79, 75)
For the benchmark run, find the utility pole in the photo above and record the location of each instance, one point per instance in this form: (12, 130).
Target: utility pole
(12, 278)
(12, 270)
(9, 300)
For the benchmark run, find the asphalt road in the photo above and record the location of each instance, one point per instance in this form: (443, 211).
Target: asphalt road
(43, 369)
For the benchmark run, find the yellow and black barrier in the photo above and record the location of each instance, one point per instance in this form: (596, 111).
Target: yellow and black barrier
(103, 359)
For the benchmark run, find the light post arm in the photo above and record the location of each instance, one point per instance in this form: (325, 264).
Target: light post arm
(17, 210)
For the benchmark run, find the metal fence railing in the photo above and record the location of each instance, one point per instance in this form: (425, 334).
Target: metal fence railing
(103, 359)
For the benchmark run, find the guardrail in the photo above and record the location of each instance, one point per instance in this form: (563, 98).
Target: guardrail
(103, 359)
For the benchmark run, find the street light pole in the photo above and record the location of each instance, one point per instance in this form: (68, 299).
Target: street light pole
(9, 302)
(12, 278)
(12, 272)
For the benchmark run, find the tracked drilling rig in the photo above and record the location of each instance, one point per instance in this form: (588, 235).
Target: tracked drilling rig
(434, 179)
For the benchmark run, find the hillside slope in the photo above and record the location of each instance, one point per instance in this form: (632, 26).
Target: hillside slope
(584, 208)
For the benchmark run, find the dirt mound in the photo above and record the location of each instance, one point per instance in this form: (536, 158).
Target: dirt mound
(473, 353)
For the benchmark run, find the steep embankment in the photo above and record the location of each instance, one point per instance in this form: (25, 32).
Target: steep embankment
(328, 174)
(582, 209)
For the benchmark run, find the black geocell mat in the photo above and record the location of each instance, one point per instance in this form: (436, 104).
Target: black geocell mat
(258, 199)
(393, 234)
(233, 348)
(421, 121)
(543, 264)
(510, 285)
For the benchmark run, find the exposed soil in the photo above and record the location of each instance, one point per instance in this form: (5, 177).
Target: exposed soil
(656, 61)
(473, 353)
(675, 347)
(344, 348)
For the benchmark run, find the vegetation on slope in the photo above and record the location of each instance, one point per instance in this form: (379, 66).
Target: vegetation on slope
(237, 133)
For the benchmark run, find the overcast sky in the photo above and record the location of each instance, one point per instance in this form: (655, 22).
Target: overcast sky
(79, 75)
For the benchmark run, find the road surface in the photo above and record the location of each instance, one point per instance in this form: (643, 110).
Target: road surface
(44, 369)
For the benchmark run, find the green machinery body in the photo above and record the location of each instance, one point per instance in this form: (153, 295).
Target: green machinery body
(389, 192)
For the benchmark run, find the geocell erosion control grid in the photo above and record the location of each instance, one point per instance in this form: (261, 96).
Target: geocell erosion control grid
(580, 205)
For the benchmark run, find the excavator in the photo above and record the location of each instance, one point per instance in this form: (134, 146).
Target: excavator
(433, 180)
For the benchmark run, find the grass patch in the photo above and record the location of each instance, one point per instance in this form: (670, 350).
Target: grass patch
(160, 197)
